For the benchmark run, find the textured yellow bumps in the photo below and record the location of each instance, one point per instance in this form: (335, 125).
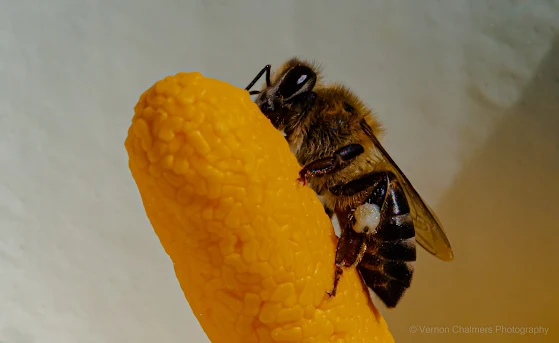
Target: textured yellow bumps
(252, 249)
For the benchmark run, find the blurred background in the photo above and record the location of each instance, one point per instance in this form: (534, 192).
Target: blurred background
(468, 92)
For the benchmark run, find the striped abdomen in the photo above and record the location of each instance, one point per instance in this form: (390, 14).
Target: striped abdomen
(387, 263)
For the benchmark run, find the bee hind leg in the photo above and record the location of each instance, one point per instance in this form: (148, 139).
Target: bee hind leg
(329, 212)
(337, 276)
(330, 164)
(349, 249)
(387, 264)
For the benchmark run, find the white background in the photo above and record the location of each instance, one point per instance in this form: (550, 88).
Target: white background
(468, 92)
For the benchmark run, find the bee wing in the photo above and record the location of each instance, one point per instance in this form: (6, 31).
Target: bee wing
(428, 229)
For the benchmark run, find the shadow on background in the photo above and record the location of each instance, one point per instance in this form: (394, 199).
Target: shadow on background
(502, 216)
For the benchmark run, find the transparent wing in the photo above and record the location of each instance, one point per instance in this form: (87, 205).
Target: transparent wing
(428, 229)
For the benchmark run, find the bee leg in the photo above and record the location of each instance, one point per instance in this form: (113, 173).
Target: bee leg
(351, 243)
(330, 164)
(387, 264)
(349, 247)
(369, 181)
(329, 212)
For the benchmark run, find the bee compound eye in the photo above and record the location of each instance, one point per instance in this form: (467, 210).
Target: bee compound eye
(295, 80)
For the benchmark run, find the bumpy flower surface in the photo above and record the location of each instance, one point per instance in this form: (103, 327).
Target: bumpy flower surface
(252, 249)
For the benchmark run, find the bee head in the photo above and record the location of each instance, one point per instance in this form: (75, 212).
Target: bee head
(288, 94)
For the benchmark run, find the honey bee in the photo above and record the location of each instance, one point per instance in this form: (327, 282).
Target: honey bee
(334, 137)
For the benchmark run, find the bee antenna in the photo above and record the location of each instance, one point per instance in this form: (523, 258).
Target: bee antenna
(266, 70)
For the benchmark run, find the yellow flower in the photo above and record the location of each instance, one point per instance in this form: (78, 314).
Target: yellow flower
(252, 249)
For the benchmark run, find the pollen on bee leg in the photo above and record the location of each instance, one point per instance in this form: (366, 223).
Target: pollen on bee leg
(366, 216)
(336, 225)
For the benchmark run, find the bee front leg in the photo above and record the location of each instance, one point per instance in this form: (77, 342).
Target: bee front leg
(330, 164)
